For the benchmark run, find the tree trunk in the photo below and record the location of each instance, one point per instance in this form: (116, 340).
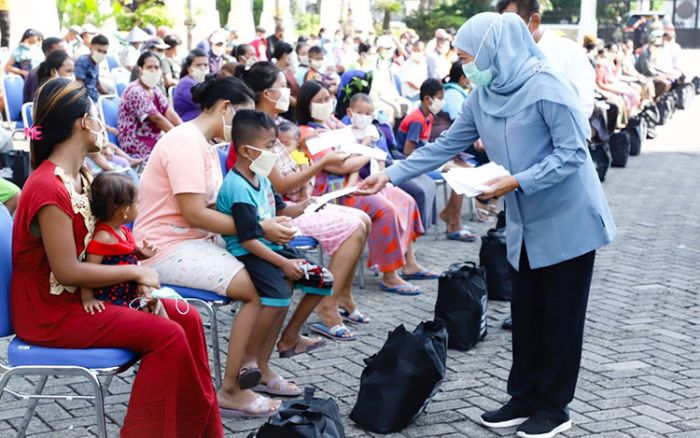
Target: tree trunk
(387, 19)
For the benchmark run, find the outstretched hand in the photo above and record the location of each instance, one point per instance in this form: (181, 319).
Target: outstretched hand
(372, 184)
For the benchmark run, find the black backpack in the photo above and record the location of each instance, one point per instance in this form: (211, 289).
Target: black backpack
(696, 83)
(493, 257)
(307, 418)
(462, 303)
(636, 130)
(619, 148)
(401, 378)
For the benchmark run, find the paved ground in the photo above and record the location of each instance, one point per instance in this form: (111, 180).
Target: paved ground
(641, 365)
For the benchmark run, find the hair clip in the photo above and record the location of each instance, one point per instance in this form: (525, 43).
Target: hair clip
(33, 133)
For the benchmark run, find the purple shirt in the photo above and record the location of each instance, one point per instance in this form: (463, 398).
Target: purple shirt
(182, 99)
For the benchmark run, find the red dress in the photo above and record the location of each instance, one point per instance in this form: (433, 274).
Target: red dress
(173, 394)
(122, 252)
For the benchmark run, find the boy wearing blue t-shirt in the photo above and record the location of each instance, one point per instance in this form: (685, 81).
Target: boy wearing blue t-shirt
(248, 196)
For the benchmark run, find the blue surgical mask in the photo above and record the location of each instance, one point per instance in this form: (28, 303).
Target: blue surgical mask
(479, 78)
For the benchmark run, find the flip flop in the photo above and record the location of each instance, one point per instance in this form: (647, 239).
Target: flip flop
(407, 290)
(249, 377)
(258, 408)
(335, 332)
(422, 275)
(291, 352)
(354, 317)
(280, 387)
(463, 235)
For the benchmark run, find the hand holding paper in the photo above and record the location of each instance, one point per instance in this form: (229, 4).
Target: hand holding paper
(472, 181)
(328, 197)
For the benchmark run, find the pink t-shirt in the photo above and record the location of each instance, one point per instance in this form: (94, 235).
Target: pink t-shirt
(181, 162)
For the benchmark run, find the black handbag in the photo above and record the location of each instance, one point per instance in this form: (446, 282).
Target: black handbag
(600, 153)
(401, 378)
(307, 418)
(462, 303)
(619, 149)
(493, 257)
(14, 167)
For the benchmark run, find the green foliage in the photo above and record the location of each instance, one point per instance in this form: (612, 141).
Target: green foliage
(223, 7)
(563, 11)
(446, 15)
(307, 24)
(257, 11)
(147, 12)
(79, 11)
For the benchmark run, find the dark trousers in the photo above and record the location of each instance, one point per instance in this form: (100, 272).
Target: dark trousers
(549, 312)
(4, 28)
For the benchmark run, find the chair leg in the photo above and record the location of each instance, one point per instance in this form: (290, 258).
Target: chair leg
(216, 357)
(99, 404)
(38, 389)
(108, 382)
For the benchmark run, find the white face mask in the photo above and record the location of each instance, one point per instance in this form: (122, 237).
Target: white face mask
(98, 57)
(361, 121)
(282, 104)
(322, 111)
(304, 60)
(101, 135)
(227, 127)
(151, 78)
(317, 64)
(217, 50)
(250, 61)
(199, 74)
(263, 165)
(437, 105)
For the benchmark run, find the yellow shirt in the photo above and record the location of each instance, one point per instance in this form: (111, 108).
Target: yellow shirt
(299, 157)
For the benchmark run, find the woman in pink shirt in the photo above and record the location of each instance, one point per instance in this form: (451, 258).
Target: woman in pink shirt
(178, 187)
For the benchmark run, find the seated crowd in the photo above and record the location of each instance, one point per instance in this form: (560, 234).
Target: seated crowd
(228, 232)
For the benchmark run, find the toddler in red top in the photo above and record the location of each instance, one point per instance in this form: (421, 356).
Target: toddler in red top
(113, 201)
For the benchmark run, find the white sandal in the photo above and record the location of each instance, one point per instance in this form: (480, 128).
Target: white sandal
(258, 408)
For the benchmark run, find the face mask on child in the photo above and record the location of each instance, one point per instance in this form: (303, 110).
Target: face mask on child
(361, 121)
(263, 165)
(317, 64)
(321, 111)
(437, 105)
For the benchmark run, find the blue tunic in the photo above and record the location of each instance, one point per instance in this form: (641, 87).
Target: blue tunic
(560, 212)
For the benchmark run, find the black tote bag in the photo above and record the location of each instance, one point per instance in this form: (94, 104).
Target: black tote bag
(462, 303)
(493, 257)
(14, 167)
(309, 417)
(400, 379)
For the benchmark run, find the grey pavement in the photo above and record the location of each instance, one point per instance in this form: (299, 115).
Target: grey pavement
(640, 374)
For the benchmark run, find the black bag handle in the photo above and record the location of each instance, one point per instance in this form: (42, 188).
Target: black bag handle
(459, 266)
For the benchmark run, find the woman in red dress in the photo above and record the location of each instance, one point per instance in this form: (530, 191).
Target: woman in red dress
(173, 394)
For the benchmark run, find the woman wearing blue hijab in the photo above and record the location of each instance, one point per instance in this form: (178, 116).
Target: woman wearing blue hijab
(530, 121)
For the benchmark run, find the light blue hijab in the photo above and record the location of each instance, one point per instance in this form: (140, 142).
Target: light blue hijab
(521, 74)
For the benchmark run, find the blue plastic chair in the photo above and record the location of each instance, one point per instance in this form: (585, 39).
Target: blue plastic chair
(209, 302)
(28, 114)
(13, 87)
(108, 108)
(26, 360)
(112, 62)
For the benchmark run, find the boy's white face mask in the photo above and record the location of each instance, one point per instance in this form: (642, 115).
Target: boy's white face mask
(263, 165)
